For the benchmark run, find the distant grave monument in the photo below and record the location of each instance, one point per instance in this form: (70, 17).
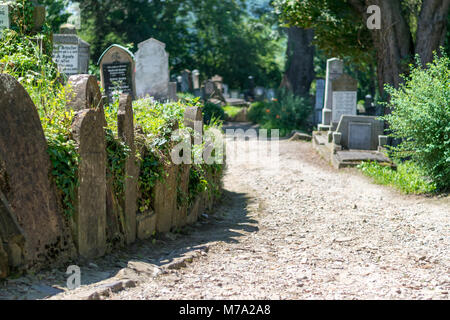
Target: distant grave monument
(117, 71)
(320, 99)
(152, 70)
(186, 81)
(335, 68)
(70, 52)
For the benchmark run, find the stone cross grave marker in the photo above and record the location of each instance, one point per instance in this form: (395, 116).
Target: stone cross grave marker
(335, 68)
(117, 71)
(70, 52)
(152, 70)
(344, 97)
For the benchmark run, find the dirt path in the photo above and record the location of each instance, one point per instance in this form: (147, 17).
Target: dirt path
(298, 231)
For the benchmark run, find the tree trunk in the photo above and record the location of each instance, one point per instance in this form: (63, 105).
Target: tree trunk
(432, 28)
(300, 61)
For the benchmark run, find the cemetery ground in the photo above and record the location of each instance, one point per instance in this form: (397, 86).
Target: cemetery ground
(302, 230)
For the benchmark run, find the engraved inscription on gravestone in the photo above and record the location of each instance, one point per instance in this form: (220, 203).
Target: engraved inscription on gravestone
(66, 57)
(116, 76)
(117, 71)
(344, 103)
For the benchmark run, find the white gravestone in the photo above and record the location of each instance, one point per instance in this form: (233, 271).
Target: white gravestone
(344, 98)
(344, 103)
(335, 68)
(4, 17)
(66, 57)
(152, 70)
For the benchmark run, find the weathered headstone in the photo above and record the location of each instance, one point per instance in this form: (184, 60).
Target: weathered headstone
(173, 91)
(209, 89)
(152, 70)
(270, 94)
(344, 97)
(70, 52)
(226, 91)
(90, 217)
(117, 71)
(84, 93)
(320, 99)
(193, 118)
(234, 94)
(186, 81)
(218, 81)
(125, 125)
(31, 197)
(335, 68)
(4, 16)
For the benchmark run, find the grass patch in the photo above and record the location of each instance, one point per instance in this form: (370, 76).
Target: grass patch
(408, 177)
(232, 111)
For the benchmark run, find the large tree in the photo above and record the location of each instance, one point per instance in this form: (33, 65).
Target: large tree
(340, 28)
(299, 72)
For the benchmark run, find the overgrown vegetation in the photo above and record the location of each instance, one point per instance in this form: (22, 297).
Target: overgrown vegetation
(421, 119)
(287, 113)
(408, 177)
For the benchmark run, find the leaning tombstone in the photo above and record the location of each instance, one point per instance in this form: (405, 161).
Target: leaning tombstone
(152, 70)
(125, 125)
(90, 213)
(117, 71)
(70, 52)
(335, 68)
(29, 197)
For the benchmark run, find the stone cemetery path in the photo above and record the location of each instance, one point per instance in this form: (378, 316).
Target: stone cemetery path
(305, 231)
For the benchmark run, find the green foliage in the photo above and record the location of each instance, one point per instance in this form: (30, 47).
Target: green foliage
(117, 153)
(208, 35)
(24, 55)
(339, 31)
(287, 113)
(212, 111)
(232, 111)
(421, 118)
(408, 178)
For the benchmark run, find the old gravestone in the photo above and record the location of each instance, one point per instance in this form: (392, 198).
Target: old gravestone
(186, 81)
(90, 217)
(320, 99)
(196, 83)
(218, 81)
(117, 71)
(28, 192)
(4, 16)
(70, 52)
(335, 68)
(125, 125)
(344, 97)
(173, 91)
(84, 93)
(152, 70)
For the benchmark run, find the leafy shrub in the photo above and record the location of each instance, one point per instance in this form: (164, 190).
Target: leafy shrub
(421, 118)
(288, 113)
(211, 111)
(408, 178)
